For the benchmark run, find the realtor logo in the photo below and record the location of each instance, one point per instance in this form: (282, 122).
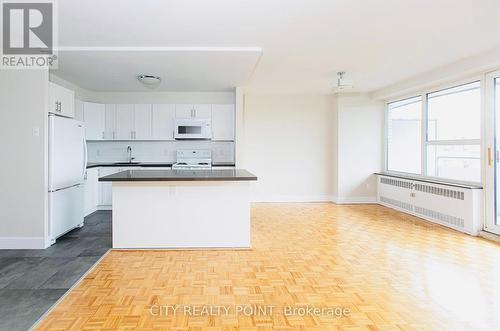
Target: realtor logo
(27, 34)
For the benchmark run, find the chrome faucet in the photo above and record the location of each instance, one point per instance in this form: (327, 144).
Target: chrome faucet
(129, 152)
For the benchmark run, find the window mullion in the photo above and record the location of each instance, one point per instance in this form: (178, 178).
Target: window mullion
(423, 170)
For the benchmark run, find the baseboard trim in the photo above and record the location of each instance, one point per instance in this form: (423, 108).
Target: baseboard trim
(490, 236)
(23, 243)
(355, 200)
(317, 198)
(91, 211)
(293, 198)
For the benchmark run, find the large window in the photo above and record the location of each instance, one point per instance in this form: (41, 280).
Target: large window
(404, 135)
(452, 144)
(454, 133)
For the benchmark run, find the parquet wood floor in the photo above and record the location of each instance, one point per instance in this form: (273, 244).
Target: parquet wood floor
(391, 270)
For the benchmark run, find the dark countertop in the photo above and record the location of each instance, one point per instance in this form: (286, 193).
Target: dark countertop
(142, 164)
(430, 180)
(180, 175)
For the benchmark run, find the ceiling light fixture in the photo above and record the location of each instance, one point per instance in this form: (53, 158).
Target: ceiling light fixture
(150, 81)
(342, 84)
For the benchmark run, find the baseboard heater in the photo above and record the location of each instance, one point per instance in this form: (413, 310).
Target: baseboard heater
(455, 206)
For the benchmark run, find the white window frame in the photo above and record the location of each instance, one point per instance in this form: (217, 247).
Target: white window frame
(424, 93)
(489, 144)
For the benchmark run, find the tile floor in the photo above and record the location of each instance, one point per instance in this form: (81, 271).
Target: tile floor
(31, 281)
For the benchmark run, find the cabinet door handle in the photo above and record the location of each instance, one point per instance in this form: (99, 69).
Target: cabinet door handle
(103, 135)
(60, 106)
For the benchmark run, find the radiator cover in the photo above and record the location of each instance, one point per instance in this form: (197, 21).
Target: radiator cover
(459, 208)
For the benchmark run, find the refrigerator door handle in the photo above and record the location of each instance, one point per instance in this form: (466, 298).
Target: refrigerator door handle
(85, 158)
(65, 188)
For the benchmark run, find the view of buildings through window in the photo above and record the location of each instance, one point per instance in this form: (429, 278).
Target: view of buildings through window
(452, 145)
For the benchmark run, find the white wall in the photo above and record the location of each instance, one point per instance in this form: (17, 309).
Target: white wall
(288, 143)
(80, 93)
(157, 151)
(163, 97)
(335, 150)
(23, 175)
(360, 147)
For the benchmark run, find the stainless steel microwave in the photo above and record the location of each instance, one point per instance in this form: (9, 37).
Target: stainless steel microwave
(186, 128)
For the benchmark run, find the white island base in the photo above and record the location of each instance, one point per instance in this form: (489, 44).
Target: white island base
(181, 214)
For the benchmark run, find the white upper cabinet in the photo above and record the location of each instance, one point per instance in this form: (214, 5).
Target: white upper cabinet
(133, 122)
(201, 111)
(152, 122)
(110, 122)
(124, 122)
(223, 122)
(79, 110)
(93, 114)
(61, 100)
(163, 121)
(142, 122)
(183, 111)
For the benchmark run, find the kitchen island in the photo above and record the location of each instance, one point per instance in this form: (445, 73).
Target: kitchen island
(181, 209)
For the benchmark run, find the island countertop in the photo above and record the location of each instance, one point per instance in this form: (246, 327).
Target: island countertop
(141, 175)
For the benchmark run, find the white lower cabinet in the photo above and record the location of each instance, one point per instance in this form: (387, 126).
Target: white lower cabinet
(98, 195)
(106, 189)
(91, 189)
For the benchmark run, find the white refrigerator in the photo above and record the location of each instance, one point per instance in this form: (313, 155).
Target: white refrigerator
(67, 165)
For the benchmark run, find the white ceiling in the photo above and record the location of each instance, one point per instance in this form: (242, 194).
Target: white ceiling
(304, 42)
(179, 69)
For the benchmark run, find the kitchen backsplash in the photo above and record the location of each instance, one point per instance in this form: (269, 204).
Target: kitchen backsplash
(156, 151)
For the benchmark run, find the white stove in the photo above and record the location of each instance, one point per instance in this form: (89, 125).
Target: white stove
(193, 159)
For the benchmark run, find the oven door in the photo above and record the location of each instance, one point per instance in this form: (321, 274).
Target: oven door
(192, 129)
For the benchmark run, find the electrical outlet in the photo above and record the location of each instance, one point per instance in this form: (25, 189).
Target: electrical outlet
(36, 132)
